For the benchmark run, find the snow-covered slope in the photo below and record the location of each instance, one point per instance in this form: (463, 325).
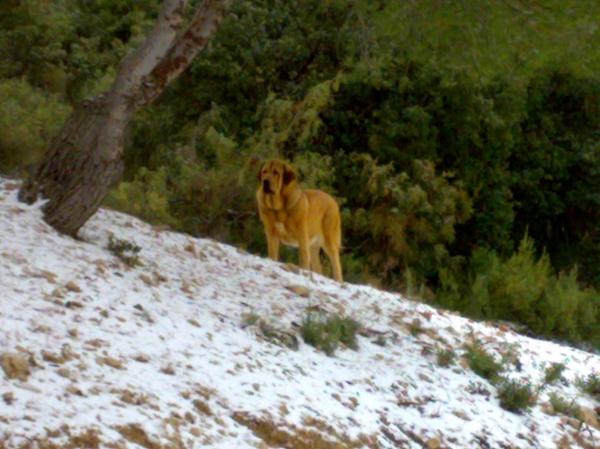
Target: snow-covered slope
(162, 355)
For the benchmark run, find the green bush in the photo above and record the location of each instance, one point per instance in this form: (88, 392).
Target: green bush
(553, 373)
(589, 384)
(29, 117)
(524, 289)
(516, 396)
(326, 331)
(407, 220)
(567, 407)
(446, 357)
(124, 250)
(482, 363)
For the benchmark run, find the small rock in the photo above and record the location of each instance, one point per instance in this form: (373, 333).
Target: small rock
(588, 416)
(300, 290)
(291, 268)
(547, 408)
(52, 357)
(434, 443)
(73, 287)
(462, 415)
(113, 363)
(574, 423)
(185, 287)
(195, 323)
(146, 279)
(67, 374)
(159, 277)
(74, 390)
(73, 305)
(168, 369)
(15, 366)
(49, 276)
(427, 315)
(8, 398)
(142, 358)
(425, 378)
(58, 293)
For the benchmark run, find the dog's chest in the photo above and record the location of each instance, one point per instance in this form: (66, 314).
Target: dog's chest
(280, 228)
(285, 234)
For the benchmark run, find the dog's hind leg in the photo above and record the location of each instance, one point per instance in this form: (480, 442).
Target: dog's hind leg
(315, 262)
(333, 252)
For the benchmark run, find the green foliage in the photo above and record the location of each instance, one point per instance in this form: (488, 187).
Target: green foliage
(408, 218)
(446, 357)
(589, 384)
(146, 197)
(563, 405)
(524, 289)
(28, 118)
(67, 45)
(553, 373)
(483, 363)
(491, 36)
(124, 250)
(516, 396)
(326, 331)
(250, 319)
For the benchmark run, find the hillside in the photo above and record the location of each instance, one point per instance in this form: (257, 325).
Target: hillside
(166, 354)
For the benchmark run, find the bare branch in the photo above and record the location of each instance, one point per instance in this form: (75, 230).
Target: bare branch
(159, 40)
(205, 23)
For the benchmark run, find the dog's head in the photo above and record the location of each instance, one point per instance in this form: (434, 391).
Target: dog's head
(275, 175)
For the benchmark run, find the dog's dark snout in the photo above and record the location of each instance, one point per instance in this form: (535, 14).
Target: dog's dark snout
(266, 186)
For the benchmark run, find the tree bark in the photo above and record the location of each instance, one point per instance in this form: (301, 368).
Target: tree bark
(84, 159)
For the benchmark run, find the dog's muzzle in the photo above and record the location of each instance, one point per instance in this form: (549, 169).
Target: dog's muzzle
(266, 186)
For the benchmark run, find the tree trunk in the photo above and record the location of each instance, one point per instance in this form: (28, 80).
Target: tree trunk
(85, 159)
(78, 171)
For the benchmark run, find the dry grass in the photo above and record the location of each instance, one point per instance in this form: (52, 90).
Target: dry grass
(135, 434)
(302, 438)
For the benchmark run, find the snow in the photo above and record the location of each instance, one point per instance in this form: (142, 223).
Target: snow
(195, 374)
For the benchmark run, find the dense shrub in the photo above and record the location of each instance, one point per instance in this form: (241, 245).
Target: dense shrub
(516, 396)
(28, 118)
(327, 331)
(524, 289)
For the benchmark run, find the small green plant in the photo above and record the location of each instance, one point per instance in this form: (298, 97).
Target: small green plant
(416, 328)
(553, 373)
(326, 331)
(250, 319)
(516, 396)
(563, 405)
(482, 363)
(589, 384)
(446, 357)
(124, 250)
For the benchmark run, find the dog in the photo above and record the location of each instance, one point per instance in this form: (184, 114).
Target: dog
(305, 219)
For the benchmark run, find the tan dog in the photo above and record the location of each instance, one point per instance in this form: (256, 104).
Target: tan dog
(306, 219)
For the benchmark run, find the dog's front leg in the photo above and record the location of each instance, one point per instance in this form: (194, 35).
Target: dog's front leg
(273, 245)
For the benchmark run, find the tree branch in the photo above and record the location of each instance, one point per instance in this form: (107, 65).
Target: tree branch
(159, 40)
(205, 23)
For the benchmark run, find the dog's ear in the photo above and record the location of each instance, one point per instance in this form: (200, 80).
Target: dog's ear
(288, 174)
(260, 171)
